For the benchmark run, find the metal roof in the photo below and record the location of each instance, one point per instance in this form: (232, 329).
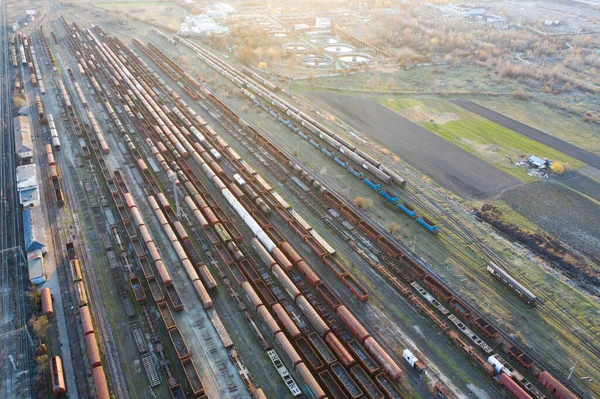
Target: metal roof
(36, 270)
(26, 177)
(29, 196)
(537, 161)
(33, 229)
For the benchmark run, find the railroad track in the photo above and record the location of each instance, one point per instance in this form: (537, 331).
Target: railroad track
(15, 308)
(318, 207)
(565, 320)
(60, 236)
(556, 312)
(111, 355)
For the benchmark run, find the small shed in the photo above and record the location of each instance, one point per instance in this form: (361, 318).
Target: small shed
(538, 162)
(35, 264)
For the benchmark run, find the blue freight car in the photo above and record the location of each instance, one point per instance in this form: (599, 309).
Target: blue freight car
(294, 128)
(408, 210)
(374, 186)
(428, 225)
(264, 107)
(273, 113)
(304, 136)
(356, 173)
(284, 121)
(314, 143)
(342, 163)
(387, 196)
(328, 153)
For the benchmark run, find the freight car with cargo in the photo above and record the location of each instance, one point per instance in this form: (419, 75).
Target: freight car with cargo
(92, 349)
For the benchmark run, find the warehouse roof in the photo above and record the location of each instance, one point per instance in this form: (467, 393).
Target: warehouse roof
(21, 123)
(26, 177)
(33, 229)
(23, 143)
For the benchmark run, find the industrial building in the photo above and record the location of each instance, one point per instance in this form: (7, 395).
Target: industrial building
(24, 147)
(33, 229)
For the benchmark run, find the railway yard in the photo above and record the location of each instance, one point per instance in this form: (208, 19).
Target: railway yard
(191, 243)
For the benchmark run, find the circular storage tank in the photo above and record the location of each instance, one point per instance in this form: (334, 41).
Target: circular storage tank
(338, 48)
(316, 61)
(356, 58)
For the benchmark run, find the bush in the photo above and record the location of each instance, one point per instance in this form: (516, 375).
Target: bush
(363, 203)
(262, 65)
(18, 102)
(393, 227)
(520, 94)
(558, 168)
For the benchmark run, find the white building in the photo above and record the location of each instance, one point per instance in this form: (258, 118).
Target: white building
(27, 185)
(201, 25)
(322, 23)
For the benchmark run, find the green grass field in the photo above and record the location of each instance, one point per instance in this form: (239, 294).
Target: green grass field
(487, 140)
(569, 128)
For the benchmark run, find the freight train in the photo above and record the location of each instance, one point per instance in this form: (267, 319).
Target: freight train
(93, 350)
(53, 174)
(40, 110)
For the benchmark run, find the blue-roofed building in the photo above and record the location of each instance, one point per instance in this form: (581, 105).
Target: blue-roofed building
(34, 229)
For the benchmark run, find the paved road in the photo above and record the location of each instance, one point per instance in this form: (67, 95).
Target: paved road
(450, 166)
(537, 135)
